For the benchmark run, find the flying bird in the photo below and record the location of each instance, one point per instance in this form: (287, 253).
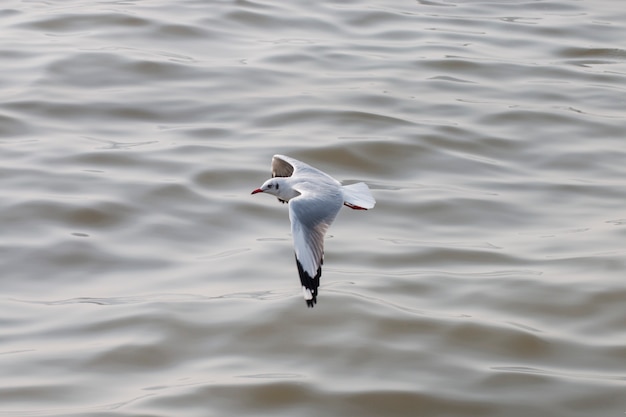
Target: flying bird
(314, 199)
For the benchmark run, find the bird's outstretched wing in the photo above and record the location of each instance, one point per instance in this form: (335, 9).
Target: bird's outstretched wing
(285, 166)
(311, 213)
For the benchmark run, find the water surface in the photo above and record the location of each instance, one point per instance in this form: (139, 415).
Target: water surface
(140, 278)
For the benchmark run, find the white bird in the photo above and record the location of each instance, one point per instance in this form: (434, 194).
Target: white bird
(314, 199)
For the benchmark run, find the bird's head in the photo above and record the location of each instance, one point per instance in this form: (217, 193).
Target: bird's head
(271, 186)
(279, 187)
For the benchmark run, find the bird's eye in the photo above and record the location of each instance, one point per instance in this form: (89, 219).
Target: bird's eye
(270, 186)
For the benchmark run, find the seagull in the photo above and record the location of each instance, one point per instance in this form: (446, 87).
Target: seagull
(314, 199)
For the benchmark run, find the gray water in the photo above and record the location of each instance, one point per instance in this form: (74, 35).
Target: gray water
(139, 277)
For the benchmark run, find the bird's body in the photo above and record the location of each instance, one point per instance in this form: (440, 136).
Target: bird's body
(314, 200)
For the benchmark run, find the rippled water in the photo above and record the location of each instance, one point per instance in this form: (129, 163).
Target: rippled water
(140, 278)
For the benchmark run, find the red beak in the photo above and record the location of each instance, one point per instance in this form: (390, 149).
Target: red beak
(258, 190)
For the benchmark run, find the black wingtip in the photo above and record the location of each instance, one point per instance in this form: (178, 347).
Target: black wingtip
(310, 284)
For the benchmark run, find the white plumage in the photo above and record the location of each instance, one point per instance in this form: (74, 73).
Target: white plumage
(314, 200)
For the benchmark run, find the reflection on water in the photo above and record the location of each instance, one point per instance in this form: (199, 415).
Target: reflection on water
(140, 278)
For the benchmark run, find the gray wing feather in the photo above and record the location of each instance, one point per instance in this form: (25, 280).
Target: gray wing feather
(280, 167)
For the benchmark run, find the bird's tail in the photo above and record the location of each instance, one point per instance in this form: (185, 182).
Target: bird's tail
(358, 196)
